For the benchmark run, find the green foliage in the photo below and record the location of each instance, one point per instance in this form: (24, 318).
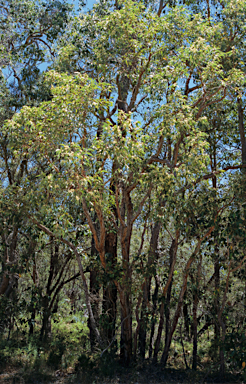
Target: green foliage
(127, 153)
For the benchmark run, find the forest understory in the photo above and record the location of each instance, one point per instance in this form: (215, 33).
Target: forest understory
(63, 361)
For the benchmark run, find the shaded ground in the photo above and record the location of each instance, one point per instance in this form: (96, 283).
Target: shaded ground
(135, 375)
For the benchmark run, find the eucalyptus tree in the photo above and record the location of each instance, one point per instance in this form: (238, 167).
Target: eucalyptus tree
(132, 118)
(226, 128)
(132, 131)
(28, 32)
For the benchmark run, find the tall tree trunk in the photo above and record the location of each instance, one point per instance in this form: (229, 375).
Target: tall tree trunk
(153, 319)
(110, 290)
(194, 312)
(45, 333)
(33, 310)
(217, 300)
(167, 309)
(146, 288)
(94, 292)
(109, 304)
(186, 318)
(194, 331)
(126, 328)
(125, 289)
(144, 318)
(222, 322)
(125, 235)
(94, 295)
(167, 291)
(216, 266)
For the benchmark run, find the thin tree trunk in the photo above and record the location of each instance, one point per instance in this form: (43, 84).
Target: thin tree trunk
(194, 312)
(144, 319)
(146, 288)
(175, 320)
(221, 321)
(153, 319)
(217, 300)
(125, 290)
(167, 309)
(138, 326)
(81, 271)
(194, 331)
(222, 355)
(186, 318)
(109, 304)
(94, 297)
(33, 315)
(216, 268)
(167, 290)
(181, 298)
(183, 348)
(110, 290)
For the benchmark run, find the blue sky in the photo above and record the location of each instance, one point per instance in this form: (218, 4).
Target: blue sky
(89, 3)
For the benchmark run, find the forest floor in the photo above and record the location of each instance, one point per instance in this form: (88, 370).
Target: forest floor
(65, 361)
(145, 375)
